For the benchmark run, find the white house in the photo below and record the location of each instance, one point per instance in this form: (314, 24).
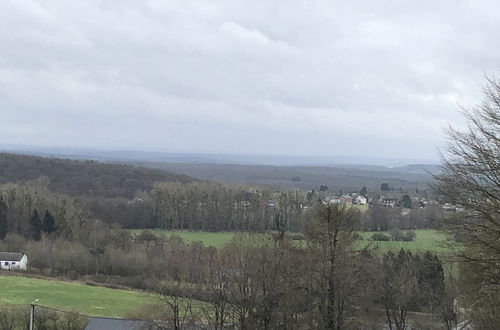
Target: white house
(13, 261)
(361, 200)
(332, 200)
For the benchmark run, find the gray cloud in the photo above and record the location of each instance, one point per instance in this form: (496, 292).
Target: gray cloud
(287, 77)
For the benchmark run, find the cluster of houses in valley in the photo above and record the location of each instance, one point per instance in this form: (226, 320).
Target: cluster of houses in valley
(13, 261)
(452, 208)
(347, 199)
(391, 202)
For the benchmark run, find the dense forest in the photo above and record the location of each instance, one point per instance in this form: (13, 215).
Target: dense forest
(135, 197)
(345, 177)
(84, 178)
(191, 206)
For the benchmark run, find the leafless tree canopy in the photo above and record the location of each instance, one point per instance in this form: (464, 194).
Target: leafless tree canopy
(471, 178)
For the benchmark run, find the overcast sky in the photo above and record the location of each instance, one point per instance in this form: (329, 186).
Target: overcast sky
(371, 78)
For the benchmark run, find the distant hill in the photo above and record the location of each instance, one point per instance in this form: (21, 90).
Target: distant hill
(205, 158)
(345, 177)
(79, 178)
(419, 168)
(348, 173)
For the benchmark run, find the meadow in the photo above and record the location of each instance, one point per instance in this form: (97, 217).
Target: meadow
(426, 240)
(215, 239)
(72, 296)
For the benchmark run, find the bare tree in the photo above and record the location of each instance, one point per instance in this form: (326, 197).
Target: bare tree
(331, 235)
(471, 178)
(217, 287)
(398, 288)
(178, 305)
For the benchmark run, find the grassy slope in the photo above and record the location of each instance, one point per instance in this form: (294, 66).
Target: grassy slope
(87, 300)
(430, 240)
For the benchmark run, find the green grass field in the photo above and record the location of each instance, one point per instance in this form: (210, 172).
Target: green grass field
(70, 296)
(426, 240)
(217, 240)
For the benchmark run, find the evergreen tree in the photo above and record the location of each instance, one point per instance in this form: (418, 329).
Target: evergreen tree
(3, 218)
(48, 223)
(36, 226)
(406, 201)
(431, 277)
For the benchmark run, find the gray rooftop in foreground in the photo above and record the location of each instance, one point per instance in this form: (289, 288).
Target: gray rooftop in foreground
(102, 323)
(11, 256)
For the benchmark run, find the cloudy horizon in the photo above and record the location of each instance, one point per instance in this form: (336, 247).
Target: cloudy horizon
(234, 77)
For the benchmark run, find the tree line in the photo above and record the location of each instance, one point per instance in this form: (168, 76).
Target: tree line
(31, 208)
(32, 211)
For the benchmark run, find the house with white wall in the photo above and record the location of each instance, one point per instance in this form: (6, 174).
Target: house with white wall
(13, 261)
(361, 200)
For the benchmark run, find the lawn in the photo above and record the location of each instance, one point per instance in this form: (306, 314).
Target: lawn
(87, 300)
(426, 240)
(218, 239)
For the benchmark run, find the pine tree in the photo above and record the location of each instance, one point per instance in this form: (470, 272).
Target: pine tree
(48, 223)
(36, 226)
(3, 218)
(406, 201)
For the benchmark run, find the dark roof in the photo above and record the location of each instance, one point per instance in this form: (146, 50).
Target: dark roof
(11, 256)
(102, 323)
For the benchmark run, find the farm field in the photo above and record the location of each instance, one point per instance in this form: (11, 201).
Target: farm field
(426, 240)
(215, 239)
(70, 296)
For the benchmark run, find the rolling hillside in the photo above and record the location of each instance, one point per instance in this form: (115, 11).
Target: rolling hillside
(78, 178)
(345, 177)
(72, 296)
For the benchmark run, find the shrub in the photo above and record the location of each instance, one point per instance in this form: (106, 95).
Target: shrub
(410, 236)
(72, 275)
(397, 234)
(380, 237)
(357, 237)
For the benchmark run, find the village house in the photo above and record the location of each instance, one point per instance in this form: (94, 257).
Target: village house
(361, 200)
(452, 208)
(389, 202)
(345, 199)
(13, 261)
(332, 200)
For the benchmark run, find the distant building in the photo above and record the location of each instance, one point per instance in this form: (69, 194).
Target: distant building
(422, 204)
(332, 200)
(361, 200)
(345, 199)
(389, 202)
(452, 208)
(13, 261)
